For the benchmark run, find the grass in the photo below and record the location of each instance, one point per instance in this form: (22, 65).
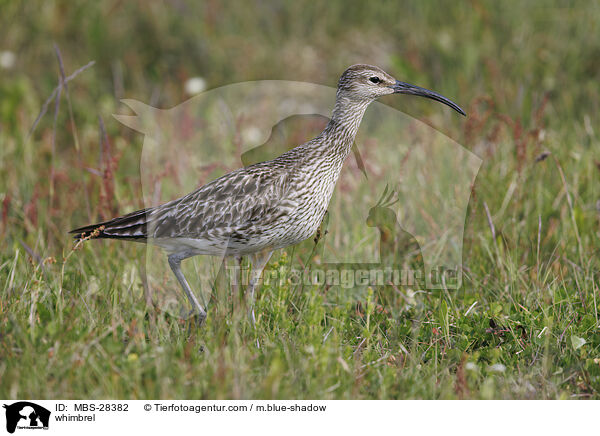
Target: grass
(524, 324)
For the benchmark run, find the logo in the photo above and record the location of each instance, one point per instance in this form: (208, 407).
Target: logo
(26, 415)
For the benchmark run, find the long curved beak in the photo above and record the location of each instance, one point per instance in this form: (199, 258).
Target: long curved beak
(406, 88)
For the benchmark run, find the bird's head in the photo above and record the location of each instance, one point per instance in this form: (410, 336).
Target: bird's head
(367, 83)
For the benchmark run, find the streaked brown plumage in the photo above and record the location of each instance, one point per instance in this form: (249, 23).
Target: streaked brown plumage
(265, 206)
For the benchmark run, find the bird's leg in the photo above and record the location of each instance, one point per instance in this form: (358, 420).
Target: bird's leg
(175, 264)
(259, 261)
(240, 275)
(317, 236)
(320, 233)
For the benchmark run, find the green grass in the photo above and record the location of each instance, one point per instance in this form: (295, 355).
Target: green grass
(76, 324)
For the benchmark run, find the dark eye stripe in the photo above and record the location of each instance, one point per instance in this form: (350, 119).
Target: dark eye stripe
(375, 79)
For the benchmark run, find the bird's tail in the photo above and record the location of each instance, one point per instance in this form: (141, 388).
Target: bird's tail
(133, 226)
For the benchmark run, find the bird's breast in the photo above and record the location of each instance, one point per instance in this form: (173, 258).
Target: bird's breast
(310, 194)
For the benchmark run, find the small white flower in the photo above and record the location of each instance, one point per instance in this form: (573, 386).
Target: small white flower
(194, 85)
(252, 135)
(7, 59)
(471, 366)
(497, 367)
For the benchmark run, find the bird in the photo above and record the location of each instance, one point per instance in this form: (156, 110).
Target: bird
(260, 208)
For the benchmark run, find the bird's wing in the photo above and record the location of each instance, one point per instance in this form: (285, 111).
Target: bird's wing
(236, 206)
(239, 203)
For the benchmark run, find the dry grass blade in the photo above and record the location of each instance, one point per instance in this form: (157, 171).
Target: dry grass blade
(66, 86)
(38, 259)
(54, 121)
(489, 219)
(104, 144)
(571, 210)
(44, 108)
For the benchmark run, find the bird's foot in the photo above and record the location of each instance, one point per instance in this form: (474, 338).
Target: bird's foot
(195, 322)
(198, 318)
(195, 316)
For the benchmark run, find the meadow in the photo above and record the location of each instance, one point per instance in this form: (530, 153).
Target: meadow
(77, 321)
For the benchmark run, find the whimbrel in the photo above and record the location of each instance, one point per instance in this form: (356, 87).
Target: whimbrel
(266, 206)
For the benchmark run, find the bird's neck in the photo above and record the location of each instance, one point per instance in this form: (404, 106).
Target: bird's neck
(345, 119)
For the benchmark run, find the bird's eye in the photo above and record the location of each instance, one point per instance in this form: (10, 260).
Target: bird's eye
(375, 79)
